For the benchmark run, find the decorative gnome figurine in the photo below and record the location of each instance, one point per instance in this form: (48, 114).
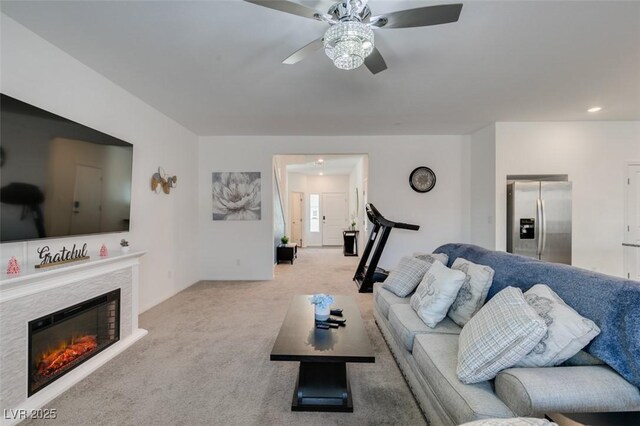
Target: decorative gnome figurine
(103, 251)
(13, 268)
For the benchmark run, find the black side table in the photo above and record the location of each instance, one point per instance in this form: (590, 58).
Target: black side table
(350, 247)
(286, 253)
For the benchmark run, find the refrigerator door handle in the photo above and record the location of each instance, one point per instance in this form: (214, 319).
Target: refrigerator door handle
(539, 226)
(543, 232)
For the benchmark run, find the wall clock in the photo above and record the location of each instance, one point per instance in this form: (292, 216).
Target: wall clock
(422, 179)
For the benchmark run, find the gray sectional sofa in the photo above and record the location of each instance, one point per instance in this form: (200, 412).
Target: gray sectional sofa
(428, 357)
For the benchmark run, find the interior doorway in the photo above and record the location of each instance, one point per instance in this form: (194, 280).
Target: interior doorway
(632, 223)
(334, 218)
(321, 196)
(296, 207)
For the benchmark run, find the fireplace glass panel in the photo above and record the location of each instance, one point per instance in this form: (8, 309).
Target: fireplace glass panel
(61, 341)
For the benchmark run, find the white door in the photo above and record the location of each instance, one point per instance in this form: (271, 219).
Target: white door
(334, 218)
(87, 200)
(295, 207)
(632, 225)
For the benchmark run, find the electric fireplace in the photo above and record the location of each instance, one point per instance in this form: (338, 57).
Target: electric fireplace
(62, 340)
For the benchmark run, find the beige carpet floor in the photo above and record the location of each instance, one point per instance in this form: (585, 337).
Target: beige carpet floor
(206, 359)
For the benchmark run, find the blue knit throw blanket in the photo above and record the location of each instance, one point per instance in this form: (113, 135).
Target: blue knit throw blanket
(612, 303)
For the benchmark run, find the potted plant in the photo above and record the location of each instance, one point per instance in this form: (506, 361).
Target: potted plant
(284, 240)
(124, 245)
(353, 222)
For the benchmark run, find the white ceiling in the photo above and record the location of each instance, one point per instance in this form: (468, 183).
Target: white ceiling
(330, 165)
(214, 66)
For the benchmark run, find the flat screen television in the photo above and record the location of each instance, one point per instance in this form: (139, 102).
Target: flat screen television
(59, 178)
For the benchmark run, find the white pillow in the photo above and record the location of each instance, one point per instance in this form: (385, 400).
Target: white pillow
(430, 257)
(473, 292)
(406, 277)
(504, 330)
(436, 293)
(568, 331)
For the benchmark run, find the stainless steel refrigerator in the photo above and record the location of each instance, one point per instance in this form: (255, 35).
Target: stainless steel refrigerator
(539, 220)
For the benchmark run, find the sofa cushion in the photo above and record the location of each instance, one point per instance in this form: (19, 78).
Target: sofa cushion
(473, 292)
(405, 325)
(436, 292)
(383, 299)
(498, 336)
(568, 331)
(582, 359)
(535, 391)
(406, 277)
(612, 303)
(435, 356)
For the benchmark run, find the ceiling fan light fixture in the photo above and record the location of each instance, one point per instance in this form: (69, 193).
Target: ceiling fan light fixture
(348, 43)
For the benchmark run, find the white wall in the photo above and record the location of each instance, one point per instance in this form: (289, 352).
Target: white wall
(482, 190)
(243, 250)
(36, 72)
(594, 155)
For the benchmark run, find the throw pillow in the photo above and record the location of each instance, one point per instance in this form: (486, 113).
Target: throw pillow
(473, 292)
(568, 331)
(406, 277)
(430, 257)
(504, 330)
(436, 292)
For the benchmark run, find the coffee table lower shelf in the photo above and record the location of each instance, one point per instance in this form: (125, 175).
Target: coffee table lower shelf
(322, 386)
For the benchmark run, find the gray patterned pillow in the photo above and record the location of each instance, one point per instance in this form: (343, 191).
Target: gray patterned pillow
(473, 292)
(568, 331)
(498, 336)
(430, 257)
(406, 277)
(436, 293)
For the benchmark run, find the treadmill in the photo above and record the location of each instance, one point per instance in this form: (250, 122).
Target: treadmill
(366, 275)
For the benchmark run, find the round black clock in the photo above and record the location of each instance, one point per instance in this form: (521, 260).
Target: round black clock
(422, 179)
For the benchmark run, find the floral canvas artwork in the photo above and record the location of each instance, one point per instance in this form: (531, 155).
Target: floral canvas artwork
(236, 196)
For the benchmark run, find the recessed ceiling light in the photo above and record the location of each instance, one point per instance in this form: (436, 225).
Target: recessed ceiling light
(320, 160)
(594, 109)
(321, 173)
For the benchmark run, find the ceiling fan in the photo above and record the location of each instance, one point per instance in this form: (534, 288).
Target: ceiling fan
(349, 41)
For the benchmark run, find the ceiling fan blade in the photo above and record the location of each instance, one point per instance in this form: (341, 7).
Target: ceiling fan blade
(320, 4)
(419, 17)
(302, 53)
(289, 7)
(375, 62)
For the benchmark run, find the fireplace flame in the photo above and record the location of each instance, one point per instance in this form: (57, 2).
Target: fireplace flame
(52, 361)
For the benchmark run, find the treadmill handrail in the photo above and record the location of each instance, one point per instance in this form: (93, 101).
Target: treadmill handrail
(410, 226)
(375, 217)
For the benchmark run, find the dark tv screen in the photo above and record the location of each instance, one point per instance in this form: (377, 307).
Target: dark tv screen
(59, 178)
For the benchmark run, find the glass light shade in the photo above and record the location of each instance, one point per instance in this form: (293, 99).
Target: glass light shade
(348, 43)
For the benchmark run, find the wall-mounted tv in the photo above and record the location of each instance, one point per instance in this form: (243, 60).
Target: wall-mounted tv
(59, 178)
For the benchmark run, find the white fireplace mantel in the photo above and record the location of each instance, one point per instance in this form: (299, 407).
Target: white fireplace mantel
(38, 292)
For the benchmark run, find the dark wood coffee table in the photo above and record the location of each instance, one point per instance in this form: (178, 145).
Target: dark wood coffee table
(323, 380)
